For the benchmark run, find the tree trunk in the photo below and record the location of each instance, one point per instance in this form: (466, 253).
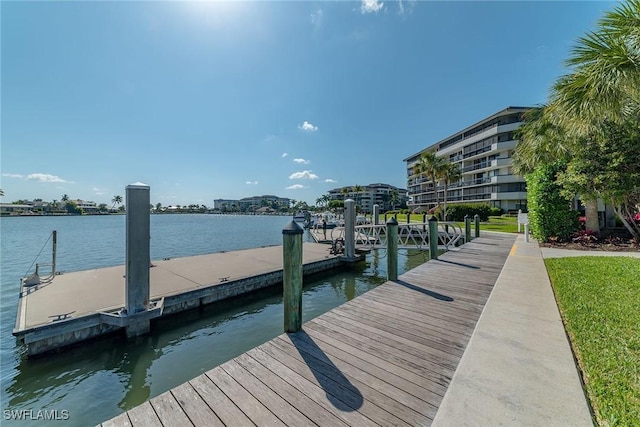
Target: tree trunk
(633, 229)
(444, 210)
(591, 212)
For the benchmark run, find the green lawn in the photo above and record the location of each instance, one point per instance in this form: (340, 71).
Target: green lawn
(599, 298)
(495, 223)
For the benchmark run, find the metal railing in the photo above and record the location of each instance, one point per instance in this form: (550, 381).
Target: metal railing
(413, 235)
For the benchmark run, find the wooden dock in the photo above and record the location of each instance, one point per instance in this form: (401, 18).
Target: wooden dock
(81, 305)
(384, 358)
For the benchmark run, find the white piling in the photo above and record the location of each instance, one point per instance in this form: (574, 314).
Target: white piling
(349, 229)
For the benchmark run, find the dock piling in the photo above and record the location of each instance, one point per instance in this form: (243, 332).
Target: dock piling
(349, 229)
(137, 257)
(476, 218)
(376, 214)
(292, 276)
(433, 238)
(467, 229)
(392, 249)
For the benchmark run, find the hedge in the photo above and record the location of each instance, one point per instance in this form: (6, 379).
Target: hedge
(550, 214)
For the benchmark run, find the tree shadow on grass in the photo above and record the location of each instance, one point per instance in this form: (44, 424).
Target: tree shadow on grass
(343, 395)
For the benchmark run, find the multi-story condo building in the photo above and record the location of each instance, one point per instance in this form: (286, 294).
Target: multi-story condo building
(252, 203)
(483, 152)
(372, 194)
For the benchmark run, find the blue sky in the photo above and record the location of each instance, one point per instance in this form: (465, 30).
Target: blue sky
(233, 99)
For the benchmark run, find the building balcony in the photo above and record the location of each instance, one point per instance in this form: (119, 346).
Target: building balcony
(504, 146)
(503, 179)
(515, 195)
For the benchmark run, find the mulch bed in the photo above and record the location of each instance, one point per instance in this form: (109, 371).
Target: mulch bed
(615, 240)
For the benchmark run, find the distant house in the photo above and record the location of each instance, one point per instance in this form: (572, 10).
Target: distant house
(10, 209)
(88, 207)
(252, 203)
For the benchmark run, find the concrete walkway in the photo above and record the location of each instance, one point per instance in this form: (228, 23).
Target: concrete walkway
(518, 369)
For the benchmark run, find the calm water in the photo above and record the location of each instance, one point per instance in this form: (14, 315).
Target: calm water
(98, 380)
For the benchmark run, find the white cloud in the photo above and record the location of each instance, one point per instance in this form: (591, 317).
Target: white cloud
(307, 127)
(295, 187)
(303, 175)
(99, 191)
(301, 161)
(371, 6)
(252, 182)
(330, 180)
(406, 6)
(13, 175)
(284, 154)
(45, 177)
(316, 19)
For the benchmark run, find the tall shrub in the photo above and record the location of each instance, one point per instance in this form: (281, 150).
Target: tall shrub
(550, 213)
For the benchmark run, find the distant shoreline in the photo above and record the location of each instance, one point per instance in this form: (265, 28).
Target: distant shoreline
(152, 213)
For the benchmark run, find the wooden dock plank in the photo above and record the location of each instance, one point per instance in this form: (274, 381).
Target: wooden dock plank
(388, 397)
(144, 416)
(373, 318)
(311, 388)
(307, 406)
(197, 410)
(396, 379)
(287, 413)
(353, 394)
(436, 388)
(385, 345)
(121, 420)
(459, 320)
(223, 407)
(169, 410)
(384, 358)
(248, 404)
(420, 318)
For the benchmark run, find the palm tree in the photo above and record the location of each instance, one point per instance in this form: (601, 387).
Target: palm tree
(357, 189)
(116, 201)
(393, 198)
(543, 138)
(65, 198)
(604, 86)
(540, 141)
(605, 82)
(1, 192)
(344, 191)
(448, 174)
(429, 166)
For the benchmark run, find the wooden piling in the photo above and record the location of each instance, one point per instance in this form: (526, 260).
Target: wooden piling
(392, 249)
(433, 238)
(292, 276)
(467, 229)
(477, 220)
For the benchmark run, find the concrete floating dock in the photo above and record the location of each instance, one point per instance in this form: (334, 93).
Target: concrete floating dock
(80, 305)
(385, 358)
